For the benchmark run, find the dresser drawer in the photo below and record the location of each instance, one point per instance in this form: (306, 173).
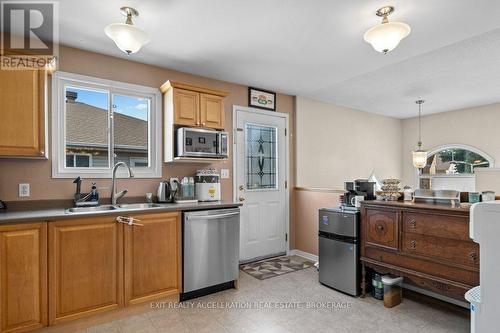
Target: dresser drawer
(453, 227)
(382, 229)
(450, 250)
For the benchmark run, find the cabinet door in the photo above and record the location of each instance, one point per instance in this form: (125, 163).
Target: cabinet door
(212, 111)
(23, 277)
(85, 267)
(382, 228)
(22, 127)
(153, 257)
(186, 107)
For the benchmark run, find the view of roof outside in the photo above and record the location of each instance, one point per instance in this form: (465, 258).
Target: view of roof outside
(87, 122)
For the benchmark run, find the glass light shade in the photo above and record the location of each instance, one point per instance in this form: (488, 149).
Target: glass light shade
(127, 37)
(419, 159)
(386, 36)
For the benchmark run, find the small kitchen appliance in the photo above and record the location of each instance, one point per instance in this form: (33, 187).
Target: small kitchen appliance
(197, 142)
(165, 192)
(357, 188)
(207, 185)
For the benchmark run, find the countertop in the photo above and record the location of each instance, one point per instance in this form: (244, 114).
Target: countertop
(418, 205)
(51, 213)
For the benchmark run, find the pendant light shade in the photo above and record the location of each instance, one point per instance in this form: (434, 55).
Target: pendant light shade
(127, 36)
(386, 36)
(419, 155)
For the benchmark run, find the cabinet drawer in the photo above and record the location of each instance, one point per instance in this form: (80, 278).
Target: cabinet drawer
(382, 228)
(453, 227)
(451, 250)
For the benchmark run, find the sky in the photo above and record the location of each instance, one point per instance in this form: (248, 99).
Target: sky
(127, 105)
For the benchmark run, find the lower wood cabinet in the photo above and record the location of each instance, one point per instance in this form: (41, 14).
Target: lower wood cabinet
(153, 257)
(85, 267)
(23, 277)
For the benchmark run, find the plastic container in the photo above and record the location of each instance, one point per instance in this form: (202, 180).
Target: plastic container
(378, 288)
(393, 290)
(474, 297)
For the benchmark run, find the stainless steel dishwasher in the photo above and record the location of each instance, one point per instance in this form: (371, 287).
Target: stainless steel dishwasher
(210, 251)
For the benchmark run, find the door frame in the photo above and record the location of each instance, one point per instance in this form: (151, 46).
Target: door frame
(285, 116)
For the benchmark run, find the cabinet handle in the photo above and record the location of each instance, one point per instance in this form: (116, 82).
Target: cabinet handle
(203, 124)
(413, 224)
(380, 227)
(129, 220)
(473, 256)
(413, 244)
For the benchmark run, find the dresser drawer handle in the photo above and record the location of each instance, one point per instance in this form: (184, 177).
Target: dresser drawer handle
(473, 256)
(413, 244)
(380, 227)
(413, 224)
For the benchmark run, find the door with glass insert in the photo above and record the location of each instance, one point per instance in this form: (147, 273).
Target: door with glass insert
(260, 174)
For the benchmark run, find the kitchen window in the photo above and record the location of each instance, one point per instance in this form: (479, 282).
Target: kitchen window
(97, 123)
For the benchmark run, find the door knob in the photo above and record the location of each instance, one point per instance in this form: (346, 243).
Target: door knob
(242, 199)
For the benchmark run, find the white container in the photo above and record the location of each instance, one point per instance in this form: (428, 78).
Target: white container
(474, 297)
(393, 290)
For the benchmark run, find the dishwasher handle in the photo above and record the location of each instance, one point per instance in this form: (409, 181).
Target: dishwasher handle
(211, 217)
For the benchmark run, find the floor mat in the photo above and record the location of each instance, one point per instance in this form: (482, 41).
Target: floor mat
(269, 268)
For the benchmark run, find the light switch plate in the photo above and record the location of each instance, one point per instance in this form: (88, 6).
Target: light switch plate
(24, 190)
(224, 173)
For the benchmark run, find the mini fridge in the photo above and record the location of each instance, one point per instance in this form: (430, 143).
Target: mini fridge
(338, 255)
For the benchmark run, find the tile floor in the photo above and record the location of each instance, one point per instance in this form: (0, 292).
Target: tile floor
(364, 315)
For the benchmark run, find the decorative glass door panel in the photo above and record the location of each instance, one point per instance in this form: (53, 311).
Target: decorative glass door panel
(261, 157)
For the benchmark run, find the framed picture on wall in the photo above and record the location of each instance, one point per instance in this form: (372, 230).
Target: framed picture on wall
(262, 99)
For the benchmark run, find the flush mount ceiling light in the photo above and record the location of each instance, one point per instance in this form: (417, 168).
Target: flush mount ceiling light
(419, 155)
(127, 36)
(386, 36)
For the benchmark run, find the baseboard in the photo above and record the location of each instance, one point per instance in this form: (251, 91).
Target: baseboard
(303, 254)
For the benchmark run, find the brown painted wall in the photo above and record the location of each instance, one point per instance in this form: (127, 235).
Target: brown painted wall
(38, 172)
(307, 204)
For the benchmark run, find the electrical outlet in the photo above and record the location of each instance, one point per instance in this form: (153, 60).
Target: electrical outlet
(224, 173)
(24, 190)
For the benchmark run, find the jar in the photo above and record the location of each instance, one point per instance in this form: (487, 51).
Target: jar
(393, 290)
(378, 288)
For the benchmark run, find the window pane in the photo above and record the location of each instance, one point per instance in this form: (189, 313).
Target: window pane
(86, 127)
(82, 161)
(455, 161)
(131, 130)
(261, 157)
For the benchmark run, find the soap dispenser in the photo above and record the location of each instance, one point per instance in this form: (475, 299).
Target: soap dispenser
(94, 196)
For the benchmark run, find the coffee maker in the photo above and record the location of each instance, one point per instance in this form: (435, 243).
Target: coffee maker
(359, 187)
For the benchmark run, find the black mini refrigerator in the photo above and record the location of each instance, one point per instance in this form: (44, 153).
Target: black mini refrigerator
(338, 255)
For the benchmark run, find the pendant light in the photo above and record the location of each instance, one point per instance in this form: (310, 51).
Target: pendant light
(127, 36)
(386, 36)
(419, 155)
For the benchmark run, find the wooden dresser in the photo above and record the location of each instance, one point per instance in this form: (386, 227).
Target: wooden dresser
(427, 244)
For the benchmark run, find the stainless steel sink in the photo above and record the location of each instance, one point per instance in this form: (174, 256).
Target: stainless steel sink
(139, 205)
(94, 209)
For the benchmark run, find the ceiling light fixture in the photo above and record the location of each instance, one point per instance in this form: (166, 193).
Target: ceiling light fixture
(386, 36)
(127, 36)
(419, 155)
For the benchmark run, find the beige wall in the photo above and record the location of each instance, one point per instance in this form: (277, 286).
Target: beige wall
(477, 127)
(38, 172)
(336, 144)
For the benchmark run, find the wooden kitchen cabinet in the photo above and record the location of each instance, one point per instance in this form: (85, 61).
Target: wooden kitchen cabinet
(186, 106)
(190, 105)
(212, 111)
(153, 261)
(85, 267)
(23, 111)
(23, 277)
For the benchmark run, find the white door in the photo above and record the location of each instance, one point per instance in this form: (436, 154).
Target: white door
(261, 164)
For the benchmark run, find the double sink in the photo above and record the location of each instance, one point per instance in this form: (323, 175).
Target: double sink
(105, 208)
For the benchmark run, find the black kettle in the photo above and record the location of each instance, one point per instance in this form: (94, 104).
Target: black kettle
(165, 192)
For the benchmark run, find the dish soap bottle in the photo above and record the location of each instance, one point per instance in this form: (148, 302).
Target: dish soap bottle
(94, 196)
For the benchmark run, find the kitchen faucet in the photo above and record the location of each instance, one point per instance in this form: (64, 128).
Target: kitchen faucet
(115, 196)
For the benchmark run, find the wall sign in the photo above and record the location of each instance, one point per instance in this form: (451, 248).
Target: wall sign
(262, 99)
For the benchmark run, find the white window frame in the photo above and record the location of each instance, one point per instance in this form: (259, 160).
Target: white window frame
(59, 81)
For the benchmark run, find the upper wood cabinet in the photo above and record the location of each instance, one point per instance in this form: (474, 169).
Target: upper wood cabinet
(153, 262)
(23, 112)
(194, 106)
(85, 267)
(23, 277)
